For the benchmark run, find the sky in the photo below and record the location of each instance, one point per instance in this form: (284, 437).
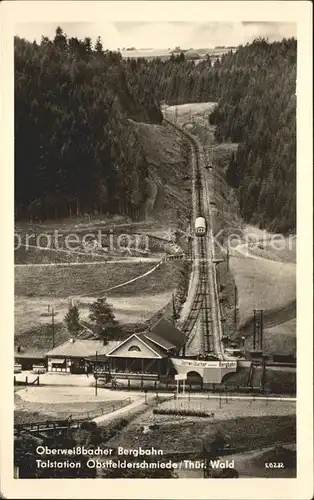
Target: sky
(162, 35)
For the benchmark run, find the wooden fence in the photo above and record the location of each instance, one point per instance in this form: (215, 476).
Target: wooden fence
(65, 423)
(26, 381)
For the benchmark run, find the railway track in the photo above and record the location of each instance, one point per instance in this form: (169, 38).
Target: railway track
(204, 309)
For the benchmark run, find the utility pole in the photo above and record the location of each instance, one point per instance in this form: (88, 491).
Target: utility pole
(53, 325)
(235, 307)
(227, 256)
(96, 374)
(258, 329)
(254, 330)
(261, 330)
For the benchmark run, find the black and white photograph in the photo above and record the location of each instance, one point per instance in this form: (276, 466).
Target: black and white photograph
(155, 249)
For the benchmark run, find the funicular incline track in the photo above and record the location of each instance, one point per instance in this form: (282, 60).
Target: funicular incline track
(204, 302)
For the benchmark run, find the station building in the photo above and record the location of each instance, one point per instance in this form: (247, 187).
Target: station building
(151, 355)
(147, 354)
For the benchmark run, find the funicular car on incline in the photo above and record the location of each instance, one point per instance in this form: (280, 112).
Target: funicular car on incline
(200, 226)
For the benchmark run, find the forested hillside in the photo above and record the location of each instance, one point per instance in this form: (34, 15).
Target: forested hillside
(75, 149)
(255, 89)
(258, 110)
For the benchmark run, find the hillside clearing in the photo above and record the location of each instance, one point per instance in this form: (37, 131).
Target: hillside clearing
(281, 338)
(30, 312)
(58, 282)
(184, 111)
(270, 246)
(37, 288)
(262, 284)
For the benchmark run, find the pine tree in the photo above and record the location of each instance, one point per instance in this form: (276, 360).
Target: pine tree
(72, 320)
(101, 314)
(88, 44)
(60, 39)
(99, 46)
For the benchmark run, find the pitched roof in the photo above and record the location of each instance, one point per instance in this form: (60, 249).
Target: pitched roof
(83, 348)
(165, 330)
(153, 337)
(156, 348)
(141, 337)
(161, 337)
(30, 352)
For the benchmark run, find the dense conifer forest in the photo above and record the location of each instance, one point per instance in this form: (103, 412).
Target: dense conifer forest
(258, 110)
(255, 90)
(76, 150)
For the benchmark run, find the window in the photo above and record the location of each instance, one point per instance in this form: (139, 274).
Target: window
(134, 348)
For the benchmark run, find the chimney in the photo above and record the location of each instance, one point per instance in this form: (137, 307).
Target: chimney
(18, 349)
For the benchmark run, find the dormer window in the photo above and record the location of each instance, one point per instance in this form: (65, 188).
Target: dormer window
(134, 348)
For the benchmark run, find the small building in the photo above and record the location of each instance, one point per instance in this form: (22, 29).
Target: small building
(29, 356)
(71, 356)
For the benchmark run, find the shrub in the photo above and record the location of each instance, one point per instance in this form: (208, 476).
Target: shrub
(112, 428)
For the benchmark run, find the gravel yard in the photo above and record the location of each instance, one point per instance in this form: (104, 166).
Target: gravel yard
(40, 403)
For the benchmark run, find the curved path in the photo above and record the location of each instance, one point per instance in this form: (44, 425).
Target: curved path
(84, 254)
